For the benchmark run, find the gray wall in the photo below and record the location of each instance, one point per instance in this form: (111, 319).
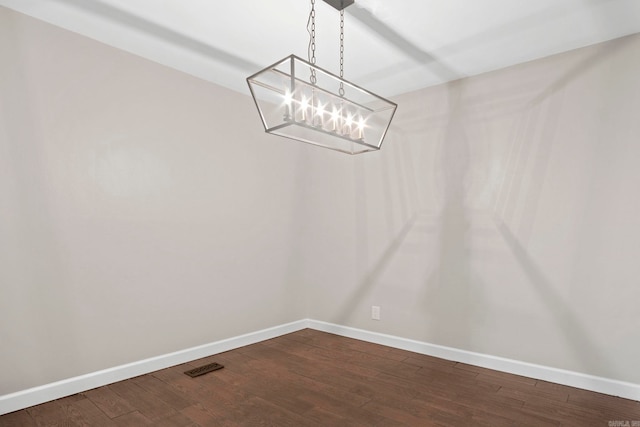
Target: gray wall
(500, 217)
(144, 211)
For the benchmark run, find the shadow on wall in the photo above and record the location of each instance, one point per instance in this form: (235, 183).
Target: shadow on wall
(567, 321)
(530, 147)
(453, 298)
(534, 154)
(449, 284)
(517, 203)
(453, 295)
(405, 212)
(448, 288)
(371, 277)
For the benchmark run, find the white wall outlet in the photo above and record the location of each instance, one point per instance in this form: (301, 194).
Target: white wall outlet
(375, 312)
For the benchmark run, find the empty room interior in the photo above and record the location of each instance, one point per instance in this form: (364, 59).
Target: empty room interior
(366, 213)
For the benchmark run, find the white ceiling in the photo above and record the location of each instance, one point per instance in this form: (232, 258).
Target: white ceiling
(391, 46)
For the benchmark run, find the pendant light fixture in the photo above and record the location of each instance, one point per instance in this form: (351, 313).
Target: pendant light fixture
(297, 99)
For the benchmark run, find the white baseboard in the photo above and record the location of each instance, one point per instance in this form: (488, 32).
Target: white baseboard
(34, 396)
(554, 375)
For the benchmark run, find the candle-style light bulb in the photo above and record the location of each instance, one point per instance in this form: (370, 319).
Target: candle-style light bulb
(335, 116)
(287, 103)
(304, 104)
(319, 117)
(361, 128)
(348, 123)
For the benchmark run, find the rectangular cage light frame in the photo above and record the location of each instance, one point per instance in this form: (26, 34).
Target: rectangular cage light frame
(330, 112)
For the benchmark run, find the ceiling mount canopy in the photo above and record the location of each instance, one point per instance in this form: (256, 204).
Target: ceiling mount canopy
(339, 4)
(297, 99)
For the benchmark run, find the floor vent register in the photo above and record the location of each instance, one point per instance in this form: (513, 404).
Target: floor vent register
(204, 369)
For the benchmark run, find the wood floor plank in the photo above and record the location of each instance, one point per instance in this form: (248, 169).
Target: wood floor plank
(109, 402)
(17, 419)
(85, 413)
(504, 378)
(48, 414)
(176, 420)
(350, 378)
(311, 378)
(199, 415)
(602, 401)
(160, 390)
(447, 374)
(563, 412)
(256, 411)
(532, 393)
(313, 384)
(143, 401)
(413, 415)
(132, 419)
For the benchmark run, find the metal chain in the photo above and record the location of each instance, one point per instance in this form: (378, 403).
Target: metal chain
(341, 91)
(311, 53)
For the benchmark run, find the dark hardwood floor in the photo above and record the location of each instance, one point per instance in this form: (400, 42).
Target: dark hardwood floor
(311, 378)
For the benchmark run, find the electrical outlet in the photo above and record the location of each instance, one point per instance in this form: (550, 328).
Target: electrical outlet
(375, 312)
